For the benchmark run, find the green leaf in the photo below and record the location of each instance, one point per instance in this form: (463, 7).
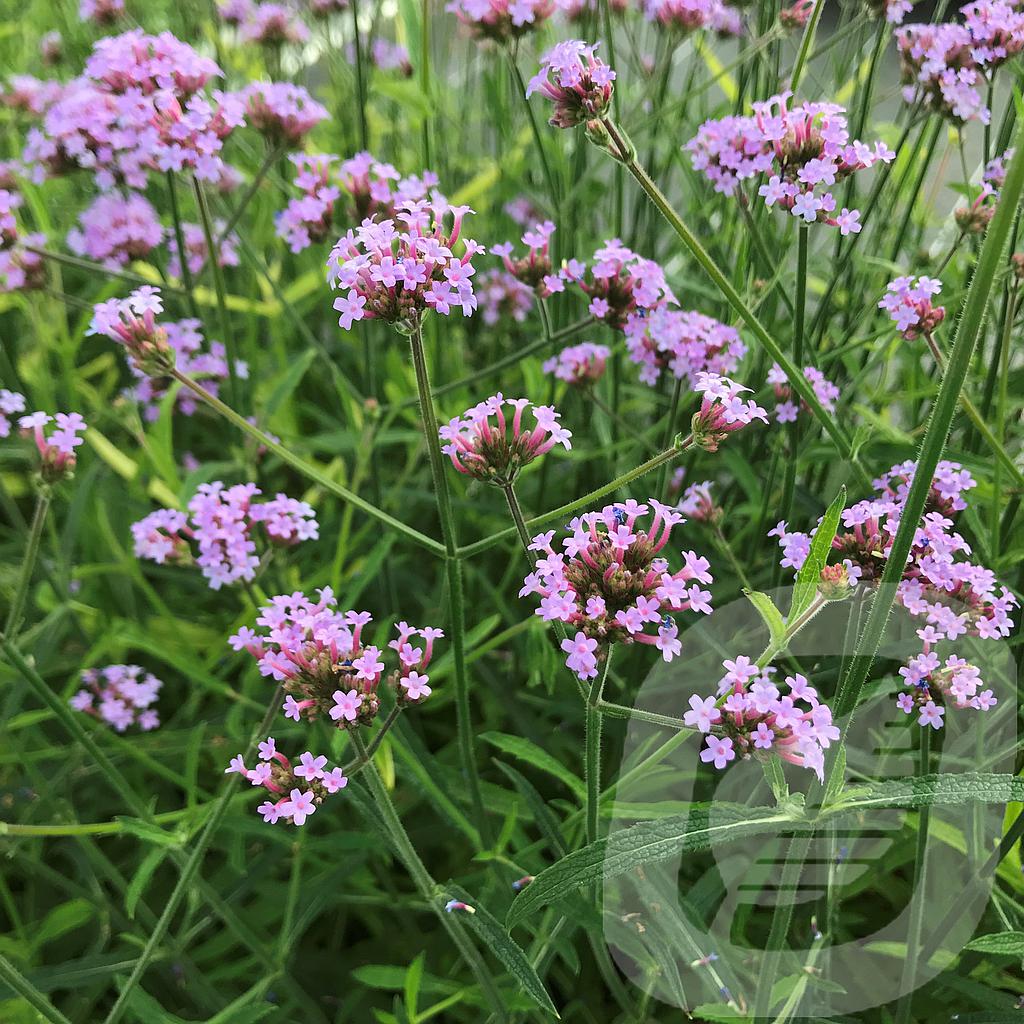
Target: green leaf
(809, 576)
(140, 880)
(501, 944)
(288, 383)
(528, 751)
(149, 833)
(999, 943)
(413, 978)
(770, 615)
(929, 790)
(542, 816)
(645, 843)
(63, 919)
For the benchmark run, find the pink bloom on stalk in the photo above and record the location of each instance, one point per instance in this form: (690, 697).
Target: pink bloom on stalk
(415, 686)
(908, 301)
(299, 807)
(311, 767)
(931, 714)
(576, 81)
(346, 705)
(580, 365)
(581, 655)
(334, 780)
(702, 713)
(719, 751)
(722, 411)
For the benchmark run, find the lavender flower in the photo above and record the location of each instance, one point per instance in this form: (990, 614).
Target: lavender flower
(196, 251)
(722, 411)
(580, 365)
(309, 219)
(534, 269)
(120, 695)
(117, 229)
(908, 301)
(578, 84)
(501, 295)
(284, 113)
(501, 20)
(786, 409)
(56, 449)
(685, 16)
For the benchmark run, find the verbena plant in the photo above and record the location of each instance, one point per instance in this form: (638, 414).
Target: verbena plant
(339, 685)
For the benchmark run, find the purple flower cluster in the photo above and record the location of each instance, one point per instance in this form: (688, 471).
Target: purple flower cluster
(31, 95)
(56, 449)
(502, 295)
(580, 365)
(196, 251)
(296, 791)
(894, 11)
(686, 16)
(976, 217)
(954, 596)
(684, 342)
(116, 229)
(103, 12)
(786, 410)
(20, 268)
(377, 189)
(284, 113)
(805, 150)
(501, 20)
(752, 716)
(139, 107)
(272, 24)
(222, 520)
(396, 275)
(621, 285)
(722, 410)
(534, 269)
(132, 323)
(120, 695)
(698, 504)
(576, 81)
(389, 56)
(488, 451)
(946, 66)
(319, 654)
(908, 301)
(309, 219)
(611, 583)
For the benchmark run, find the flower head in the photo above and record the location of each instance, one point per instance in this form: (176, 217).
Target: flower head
(501, 20)
(580, 365)
(119, 695)
(722, 410)
(283, 112)
(576, 81)
(132, 323)
(56, 445)
(908, 301)
(534, 269)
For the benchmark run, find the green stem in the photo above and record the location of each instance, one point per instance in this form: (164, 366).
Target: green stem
(364, 135)
(516, 512)
(24, 988)
(306, 468)
(789, 478)
(98, 268)
(453, 564)
(179, 237)
(213, 258)
(796, 378)
(28, 562)
(592, 753)
(810, 30)
(538, 139)
(268, 161)
(612, 710)
(428, 888)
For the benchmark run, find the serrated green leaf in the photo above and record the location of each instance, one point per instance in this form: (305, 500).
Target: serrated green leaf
(505, 948)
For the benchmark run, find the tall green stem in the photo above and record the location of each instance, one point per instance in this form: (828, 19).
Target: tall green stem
(179, 238)
(17, 982)
(789, 479)
(453, 565)
(28, 562)
(592, 753)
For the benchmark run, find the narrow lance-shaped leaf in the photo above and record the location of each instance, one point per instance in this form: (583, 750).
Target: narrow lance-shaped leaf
(809, 576)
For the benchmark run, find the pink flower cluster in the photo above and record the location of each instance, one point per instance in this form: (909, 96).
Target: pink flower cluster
(132, 323)
(139, 107)
(9, 202)
(686, 16)
(698, 504)
(683, 342)
(116, 229)
(103, 12)
(283, 112)
(57, 457)
(488, 451)
(976, 217)
(534, 269)
(752, 716)
(946, 66)
(501, 20)
(805, 150)
(502, 295)
(396, 275)
(210, 366)
(580, 365)
(621, 285)
(318, 653)
(222, 523)
(908, 301)
(272, 24)
(31, 95)
(309, 219)
(120, 695)
(894, 11)
(954, 596)
(935, 685)
(20, 268)
(722, 410)
(576, 81)
(389, 56)
(786, 410)
(296, 791)
(610, 584)
(377, 189)
(323, 8)
(195, 248)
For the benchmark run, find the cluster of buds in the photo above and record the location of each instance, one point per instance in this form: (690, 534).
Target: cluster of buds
(683, 342)
(501, 20)
(722, 411)
(908, 301)
(611, 584)
(318, 653)
(804, 149)
(577, 82)
(786, 410)
(489, 451)
(973, 219)
(580, 365)
(698, 504)
(934, 685)
(534, 269)
(221, 521)
(752, 716)
(309, 219)
(685, 16)
(501, 295)
(120, 695)
(56, 450)
(377, 189)
(284, 113)
(953, 595)
(621, 285)
(132, 323)
(395, 275)
(296, 791)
